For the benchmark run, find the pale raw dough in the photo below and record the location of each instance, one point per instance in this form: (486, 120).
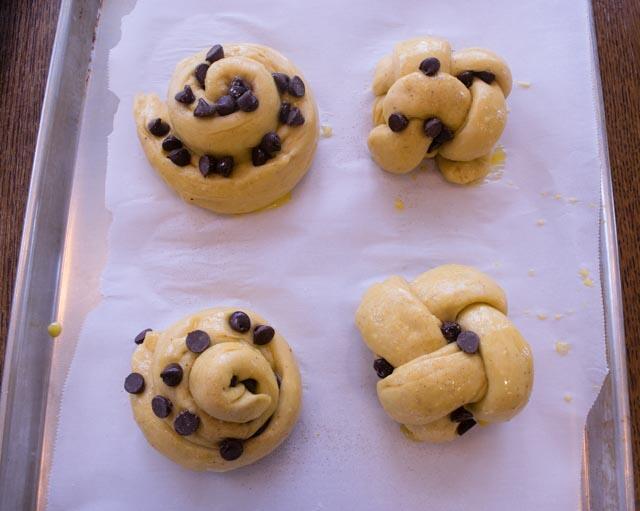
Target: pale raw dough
(477, 115)
(400, 321)
(225, 411)
(250, 187)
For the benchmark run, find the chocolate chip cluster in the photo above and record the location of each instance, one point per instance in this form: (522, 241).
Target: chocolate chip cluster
(433, 127)
(467, 341)
(239, 97)
(288, 114)
(186, 422)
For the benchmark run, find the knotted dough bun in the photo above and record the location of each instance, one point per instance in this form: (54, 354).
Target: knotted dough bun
(449, 354)
(432, 102)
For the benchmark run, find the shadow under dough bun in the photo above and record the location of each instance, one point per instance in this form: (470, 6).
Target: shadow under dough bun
(218, 390)
(237, 131)
(448, 355)
(432, 102)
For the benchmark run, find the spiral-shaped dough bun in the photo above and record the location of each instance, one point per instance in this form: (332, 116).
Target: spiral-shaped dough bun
(432, 102)
(218, 390)
(449, 356)
(237, 131)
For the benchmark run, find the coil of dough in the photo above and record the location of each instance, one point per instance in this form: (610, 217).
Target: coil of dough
(237, 131)
(449, 357)
(432, 102)
(218, 390)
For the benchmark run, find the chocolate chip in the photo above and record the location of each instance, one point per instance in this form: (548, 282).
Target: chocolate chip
(161, 406)
(180, 157)
(397, 122)
(432, 127)
(158, 127)
(444, 136)
(230, 449)
(468, 341)
(465, 426)
(283, 114)
(382, 367)
(271, 143)
(460, 415)
(251, 385)
(234, 381)
(485, 76)
(172, 375)
(185, 96)
(186, 423)
(430, 66)
(466, 77)
(226, 105)
(295, 117)
(240, 322)
(201, 73)
(171, 143)
(207, 165)
(238, 87)
(282, 82)
(262, 428)
(248, 102)
(139, 339)
(263, 334)
(134, 383)
(296, 87)
(259, 156)
(224, 166)
(451, 330)
(215, 53)
(204, 109)
(198, 341)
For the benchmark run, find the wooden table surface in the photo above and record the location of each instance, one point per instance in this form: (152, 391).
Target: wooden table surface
(27, 29)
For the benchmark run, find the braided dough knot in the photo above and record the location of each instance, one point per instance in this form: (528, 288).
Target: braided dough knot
(451, 106)
(226, 401)
(404, 323)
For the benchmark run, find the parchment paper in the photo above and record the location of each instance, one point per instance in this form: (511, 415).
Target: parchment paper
(533, 225)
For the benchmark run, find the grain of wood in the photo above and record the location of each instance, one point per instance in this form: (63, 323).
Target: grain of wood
(617, 28)
(27, 29)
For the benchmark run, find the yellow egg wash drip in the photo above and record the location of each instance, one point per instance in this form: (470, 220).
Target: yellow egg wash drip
(54, 329)
(498, 157)
(278, 202)
(497, 162)
(399, 204)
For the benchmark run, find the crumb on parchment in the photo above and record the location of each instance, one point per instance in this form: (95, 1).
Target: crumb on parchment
(585, 277)
(326, 131)
(562, 348)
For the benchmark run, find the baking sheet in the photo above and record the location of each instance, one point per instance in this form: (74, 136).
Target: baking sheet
(306, 264)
